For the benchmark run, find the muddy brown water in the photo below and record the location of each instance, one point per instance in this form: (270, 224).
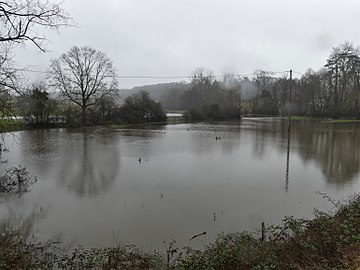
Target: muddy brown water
(94, 191)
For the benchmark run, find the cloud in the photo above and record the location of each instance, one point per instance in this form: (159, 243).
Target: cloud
(173, 37)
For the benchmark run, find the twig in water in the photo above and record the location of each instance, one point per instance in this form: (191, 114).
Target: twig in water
(197, 235)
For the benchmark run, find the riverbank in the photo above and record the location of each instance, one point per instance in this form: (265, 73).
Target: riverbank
(329, 241)
(322, 120)
(12, 125)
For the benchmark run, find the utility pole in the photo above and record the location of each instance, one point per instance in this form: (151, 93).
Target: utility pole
(239, 103)
(289, 133)
(289, 104)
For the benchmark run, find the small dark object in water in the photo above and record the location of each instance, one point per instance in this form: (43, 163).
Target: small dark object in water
(217, 138)
(139, 159)
(197, 235)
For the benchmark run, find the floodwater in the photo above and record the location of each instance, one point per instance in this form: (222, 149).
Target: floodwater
(99, 187)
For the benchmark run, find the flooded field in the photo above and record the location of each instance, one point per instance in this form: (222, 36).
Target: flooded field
(99, 186)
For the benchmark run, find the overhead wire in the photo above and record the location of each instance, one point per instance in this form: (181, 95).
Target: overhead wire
(243, 75)
(298, 72)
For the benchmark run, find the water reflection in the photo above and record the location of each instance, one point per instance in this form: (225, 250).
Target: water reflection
(38, 149)
(89, 163)
(41, 142)
(266, 134)
(205, 138)
(23, 223)
(144, 131)
(186, 175)
(334, 148)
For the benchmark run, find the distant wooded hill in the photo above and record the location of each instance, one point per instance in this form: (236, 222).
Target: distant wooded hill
(168, 94)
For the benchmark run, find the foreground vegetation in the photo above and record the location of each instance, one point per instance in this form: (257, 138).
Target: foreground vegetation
(329, 241)
(17, 253)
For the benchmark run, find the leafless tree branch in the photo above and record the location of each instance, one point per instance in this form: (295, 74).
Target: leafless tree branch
(20, 20)
(84, 76)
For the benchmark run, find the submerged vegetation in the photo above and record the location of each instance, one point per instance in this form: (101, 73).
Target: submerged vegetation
(16, 180)
(329, 241)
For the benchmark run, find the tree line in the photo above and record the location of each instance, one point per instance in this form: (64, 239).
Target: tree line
(333, 91)
(81, 89)
(82, 86)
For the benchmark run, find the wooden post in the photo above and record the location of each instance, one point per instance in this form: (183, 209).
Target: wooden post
(262, 231)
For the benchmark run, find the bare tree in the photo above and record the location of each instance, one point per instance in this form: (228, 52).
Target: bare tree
(8, 80)
(22, 20)
(7, 70)
(343, 67)
(85, 76)
(202, 82)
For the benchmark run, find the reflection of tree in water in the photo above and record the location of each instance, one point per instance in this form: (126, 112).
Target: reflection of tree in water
(22, 224)
(144, 131)
(334, 147)
(142, 141)
(266, 133)
(206, 138)
(41, 141)
(89, 163)
(42, 145)
(263, 133)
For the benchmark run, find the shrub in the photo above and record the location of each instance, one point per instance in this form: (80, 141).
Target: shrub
(16, 180)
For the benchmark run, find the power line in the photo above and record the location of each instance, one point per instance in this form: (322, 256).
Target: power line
(298, 72)
(176, 76)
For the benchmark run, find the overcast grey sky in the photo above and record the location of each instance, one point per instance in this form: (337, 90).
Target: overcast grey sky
(174, 37)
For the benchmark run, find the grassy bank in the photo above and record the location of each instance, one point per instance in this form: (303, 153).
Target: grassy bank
(176, 120)
(323, 120)
(18, 125)
(329, 241)
(342, 121)
(17, 253)
(8, 125)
